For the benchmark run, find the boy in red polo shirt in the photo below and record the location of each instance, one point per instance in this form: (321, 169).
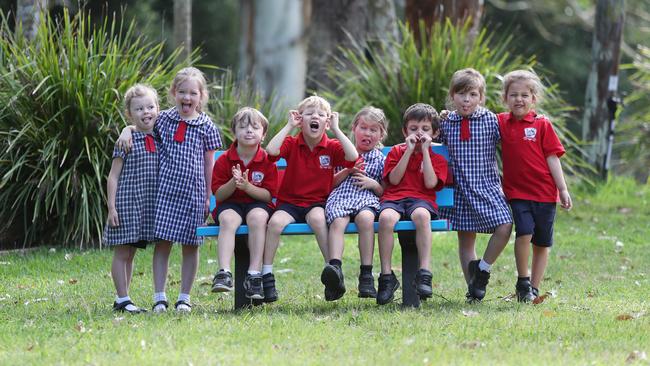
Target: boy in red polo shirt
(311, 157)
(244, 181)
(412, 174)
(532, 177)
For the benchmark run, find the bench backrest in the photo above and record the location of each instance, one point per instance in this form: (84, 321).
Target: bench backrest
(444, 197)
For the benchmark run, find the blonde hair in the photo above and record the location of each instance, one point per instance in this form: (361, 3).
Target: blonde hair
(463, 80)
(249, 115)
(315, 101)
(136, 91)
(190, 73)
(530, 78)
(373, 114)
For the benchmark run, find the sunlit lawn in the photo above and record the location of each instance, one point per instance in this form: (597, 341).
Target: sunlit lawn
(55, 306)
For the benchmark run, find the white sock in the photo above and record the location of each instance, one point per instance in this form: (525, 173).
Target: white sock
(184, 297)
(267, 268)
(159, 296)
(253, 273)
(484, 266)
(226, 269)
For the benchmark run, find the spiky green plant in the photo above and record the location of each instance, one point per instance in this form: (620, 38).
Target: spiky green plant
(61, 111)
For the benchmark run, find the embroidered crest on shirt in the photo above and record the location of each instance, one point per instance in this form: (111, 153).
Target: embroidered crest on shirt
(325, 161)
(257, 177)
(530, 133)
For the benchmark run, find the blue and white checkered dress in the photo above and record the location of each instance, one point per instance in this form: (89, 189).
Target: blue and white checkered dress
(347, 199)
(135, 199)
(479, 203)
(181, 192)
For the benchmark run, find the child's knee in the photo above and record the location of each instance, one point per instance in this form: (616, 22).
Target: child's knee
(229, 219)
(421, 216)
(257, 218)
(365, 220)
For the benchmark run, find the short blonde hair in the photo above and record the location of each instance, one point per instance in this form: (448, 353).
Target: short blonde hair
(464, 80)
(375, 115)
(188, 73)
(249, 115)
(530, 78)
(136, 91)
(315, 101)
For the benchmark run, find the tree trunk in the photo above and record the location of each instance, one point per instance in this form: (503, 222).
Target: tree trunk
(273, 47)
(183, 27)
(603, 78)
(28, 13)
(339, 23)
(458, 11)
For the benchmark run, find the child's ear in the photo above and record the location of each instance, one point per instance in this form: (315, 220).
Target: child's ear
(435, 134)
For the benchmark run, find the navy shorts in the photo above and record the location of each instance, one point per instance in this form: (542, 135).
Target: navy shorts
(406, 206)
(242, 209)
(297, 212)
(534, 218)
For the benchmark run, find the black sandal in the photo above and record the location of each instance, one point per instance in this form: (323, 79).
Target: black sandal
(161, 302)
(121, 307)
(182, 302)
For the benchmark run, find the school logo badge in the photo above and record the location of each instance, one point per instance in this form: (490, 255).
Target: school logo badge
(530, 133)
(257, 177)
(325, 161)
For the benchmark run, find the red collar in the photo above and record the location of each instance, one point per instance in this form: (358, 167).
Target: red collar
(234, 156)
(530, 117)
(322, 143)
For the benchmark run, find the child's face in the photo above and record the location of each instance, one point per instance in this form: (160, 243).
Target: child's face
(314, 122)
(366, 134)
(187, 96)
(143, 112)
(419, 129)
(467, 101)
(519, 99)
(249, 133)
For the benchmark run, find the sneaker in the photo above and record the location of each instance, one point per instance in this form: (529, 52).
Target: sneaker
(367, 286)
(332, 278)
(478, 280)
(268, 283)
(388, 284)
(524, 291)
(423, 283)
(222, 282)
(535, 292)
(253, 287)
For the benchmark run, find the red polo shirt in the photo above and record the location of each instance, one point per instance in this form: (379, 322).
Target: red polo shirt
(525, 145)
(412, 183)
(262, 173)
(309, 175)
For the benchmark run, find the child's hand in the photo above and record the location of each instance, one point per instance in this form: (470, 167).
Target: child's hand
(411, 140)
(363, 181)
(425, 141)
(334, 121)
(565, 200)
(125, 141)
(242, 182)
(359, 167)
(444, 114)
(206, 208)
(113, 220)
(236, 173)
(295, 118)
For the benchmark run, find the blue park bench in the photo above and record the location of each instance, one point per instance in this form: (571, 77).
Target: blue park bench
(404, 229)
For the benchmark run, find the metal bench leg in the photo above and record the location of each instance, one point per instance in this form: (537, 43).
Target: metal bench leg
(410, 264)
(242, 261)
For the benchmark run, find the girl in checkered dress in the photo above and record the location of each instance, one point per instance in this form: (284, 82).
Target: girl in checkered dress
(132, 185)
(188, 138)
(357, 196)
(471, 134)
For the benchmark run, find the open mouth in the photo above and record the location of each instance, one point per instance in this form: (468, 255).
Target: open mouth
(186, 108)
(314, 125)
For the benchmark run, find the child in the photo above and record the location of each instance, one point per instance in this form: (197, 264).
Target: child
(532, 177)
(471, 134)
(412, 174)
(188, 139)
(244, 181)
(311, 157)
(357, 198)
(132, 185)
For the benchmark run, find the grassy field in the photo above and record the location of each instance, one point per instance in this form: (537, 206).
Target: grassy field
(55, 306)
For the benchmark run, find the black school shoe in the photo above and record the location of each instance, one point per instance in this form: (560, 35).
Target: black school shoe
(367, 286)
(388, 284)
(422, 283)
(478, 280)
(268, 283)
(524, 291)
(332, 278)
(253, 287)
(121, 308)
(222, 282)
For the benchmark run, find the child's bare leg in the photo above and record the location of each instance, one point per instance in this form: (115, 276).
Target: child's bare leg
(316, 220)
(421, 217)
(336, 237)
(540, 260)
(256, 221)
(121, 257)
(466, 250)
(189, 267)
(387, 220)
(278, 221)
(522, 252)
(129, 267)
(365, 221)
(229, 221)
(161, 254)
(497, 243)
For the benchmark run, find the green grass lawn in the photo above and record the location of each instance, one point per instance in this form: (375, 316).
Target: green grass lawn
(55, 306)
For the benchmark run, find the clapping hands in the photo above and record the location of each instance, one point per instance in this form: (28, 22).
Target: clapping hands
(241, 178)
